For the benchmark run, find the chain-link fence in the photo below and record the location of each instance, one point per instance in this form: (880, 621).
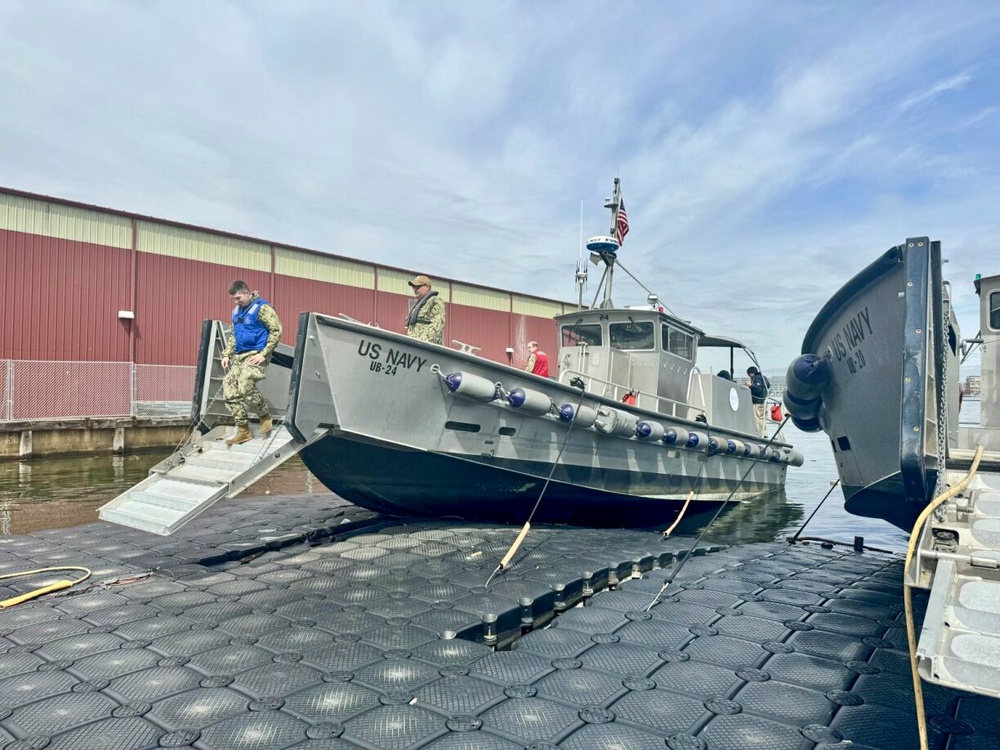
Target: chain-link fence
(163, 390)
(32, 389)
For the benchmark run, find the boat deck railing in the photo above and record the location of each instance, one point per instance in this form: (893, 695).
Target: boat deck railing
(644, 400)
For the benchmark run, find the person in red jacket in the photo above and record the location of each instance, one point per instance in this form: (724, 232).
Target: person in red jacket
(538, 361)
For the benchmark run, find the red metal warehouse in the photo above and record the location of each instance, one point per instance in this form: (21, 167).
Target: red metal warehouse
(102, 309)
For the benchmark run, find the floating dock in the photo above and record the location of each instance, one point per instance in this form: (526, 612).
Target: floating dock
(300, 623)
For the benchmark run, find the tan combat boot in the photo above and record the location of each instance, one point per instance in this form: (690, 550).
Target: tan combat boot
(243, 435)
(266, 423)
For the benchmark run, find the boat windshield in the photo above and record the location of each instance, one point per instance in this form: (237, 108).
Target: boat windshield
(631, 335)
(677, 342)
(575, 335)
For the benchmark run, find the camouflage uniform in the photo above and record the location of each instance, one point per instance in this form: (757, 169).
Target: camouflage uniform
(430, 323)
(239, 386)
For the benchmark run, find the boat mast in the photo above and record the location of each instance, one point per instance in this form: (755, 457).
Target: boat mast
(605, 247)
(608, 256)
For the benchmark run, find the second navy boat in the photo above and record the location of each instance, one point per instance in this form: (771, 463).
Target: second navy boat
(879, 374)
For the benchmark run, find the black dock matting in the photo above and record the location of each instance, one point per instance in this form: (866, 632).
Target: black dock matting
(307, 623)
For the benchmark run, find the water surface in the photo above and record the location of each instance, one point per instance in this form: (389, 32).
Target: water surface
(52, 492)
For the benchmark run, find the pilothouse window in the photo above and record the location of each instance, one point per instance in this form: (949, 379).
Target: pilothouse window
(995, 310)
(631, 335)
(581, 334)
(677, 342)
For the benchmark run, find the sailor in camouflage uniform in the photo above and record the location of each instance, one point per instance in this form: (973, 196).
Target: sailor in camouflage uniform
(256, 332)
(425, 320)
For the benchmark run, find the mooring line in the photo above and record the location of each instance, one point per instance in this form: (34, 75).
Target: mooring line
(794, 539)
(670, 579)
(527, 524)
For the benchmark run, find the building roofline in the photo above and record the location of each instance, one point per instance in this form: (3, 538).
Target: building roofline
(237, 236)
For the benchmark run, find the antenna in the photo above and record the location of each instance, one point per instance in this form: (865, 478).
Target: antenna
(581, 265)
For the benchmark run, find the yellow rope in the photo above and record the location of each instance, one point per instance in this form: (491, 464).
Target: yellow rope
(515, 545)
(679, 515)
(911, 640)
(64, 584)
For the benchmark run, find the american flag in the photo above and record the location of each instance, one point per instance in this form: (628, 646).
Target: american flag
(621, 223)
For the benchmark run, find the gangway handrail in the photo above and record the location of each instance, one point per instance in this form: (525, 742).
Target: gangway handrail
(695, 375)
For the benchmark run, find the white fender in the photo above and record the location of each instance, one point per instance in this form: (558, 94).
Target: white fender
(471, 386)
(718, 445)
(529, 401)
(583, 416)
(676, 436)
(649, 430)
(697, 441)
(794, 457)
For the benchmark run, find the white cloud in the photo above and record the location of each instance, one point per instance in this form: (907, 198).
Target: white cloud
(922, 97)
(978, 117)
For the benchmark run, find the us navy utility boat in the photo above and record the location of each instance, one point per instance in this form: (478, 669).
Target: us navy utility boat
(879, 374)
(629, 430)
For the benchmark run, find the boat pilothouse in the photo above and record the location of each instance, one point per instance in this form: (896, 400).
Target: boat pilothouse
(648, 358)
(643, 353)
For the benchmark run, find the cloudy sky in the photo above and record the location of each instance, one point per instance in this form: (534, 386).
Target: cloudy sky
(767, 150)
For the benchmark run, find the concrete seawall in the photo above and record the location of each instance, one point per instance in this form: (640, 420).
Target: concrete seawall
(27, 439)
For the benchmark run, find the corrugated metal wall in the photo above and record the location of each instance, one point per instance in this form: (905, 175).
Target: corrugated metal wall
(174, 296)
(47, 218)
(489, 330)
(391, 311)
(531, 320)
(307, 282)
(67, 269)
(64, 274)
(481, 317)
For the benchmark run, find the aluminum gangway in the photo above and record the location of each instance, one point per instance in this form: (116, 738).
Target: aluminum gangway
(205, 469)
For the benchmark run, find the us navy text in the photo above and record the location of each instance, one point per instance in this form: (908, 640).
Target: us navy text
(389, 362)
(847, 341)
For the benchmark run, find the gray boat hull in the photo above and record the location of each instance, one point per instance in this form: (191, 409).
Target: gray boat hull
(443, 486)
(400, 441)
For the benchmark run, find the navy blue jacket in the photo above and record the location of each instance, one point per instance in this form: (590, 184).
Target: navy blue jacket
(759, 388)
